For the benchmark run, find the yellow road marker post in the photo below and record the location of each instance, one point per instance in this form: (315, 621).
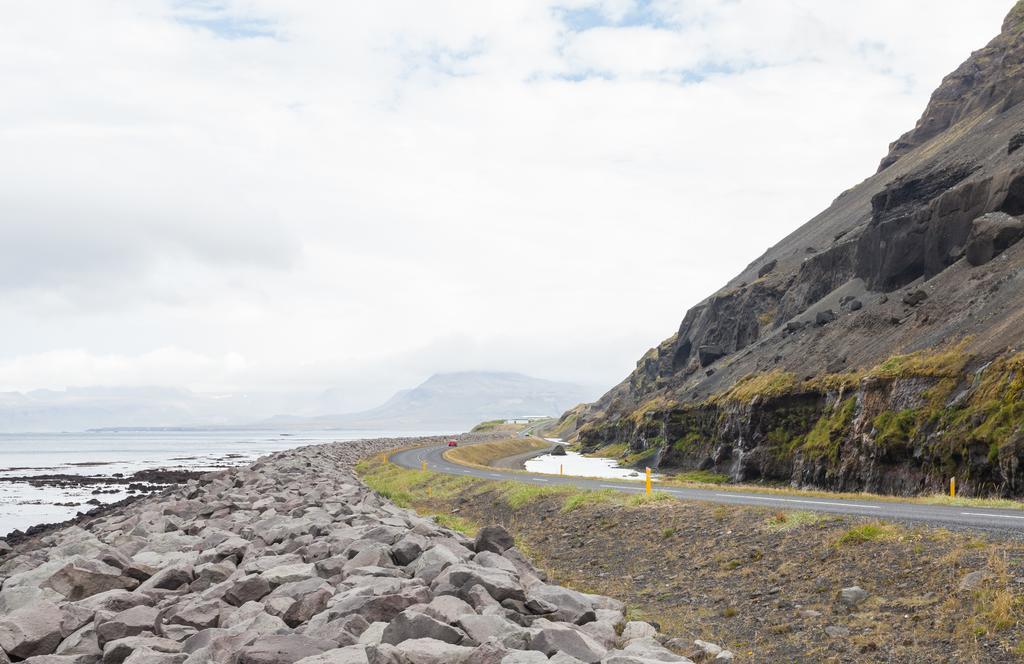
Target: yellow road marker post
(561, 469)
(423, 465)
(647, 484)
(952, 487)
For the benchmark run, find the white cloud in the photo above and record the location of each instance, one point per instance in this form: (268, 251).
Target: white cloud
(337, 191)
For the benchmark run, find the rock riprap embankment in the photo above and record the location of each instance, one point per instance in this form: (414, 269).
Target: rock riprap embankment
(289, 560)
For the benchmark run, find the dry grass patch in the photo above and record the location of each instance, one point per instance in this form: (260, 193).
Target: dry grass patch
(485, 454)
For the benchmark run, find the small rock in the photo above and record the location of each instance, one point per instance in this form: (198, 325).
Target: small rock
(852, 596)
(974, 580)
(824, 317)
(914, 298)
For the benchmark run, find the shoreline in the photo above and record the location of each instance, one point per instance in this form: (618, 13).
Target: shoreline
(293, 558)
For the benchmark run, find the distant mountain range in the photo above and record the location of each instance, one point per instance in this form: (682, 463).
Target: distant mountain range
(453, 401)
(457, 401)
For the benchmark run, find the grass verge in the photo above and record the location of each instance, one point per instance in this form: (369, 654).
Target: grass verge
(485, 454)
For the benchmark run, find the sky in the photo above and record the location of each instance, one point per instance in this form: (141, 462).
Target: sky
(256, 195)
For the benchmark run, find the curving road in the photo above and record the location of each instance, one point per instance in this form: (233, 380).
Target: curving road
(1002, 521)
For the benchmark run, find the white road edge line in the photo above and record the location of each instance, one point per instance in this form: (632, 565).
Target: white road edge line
(741, 496)
(996, 516)
(538, 479)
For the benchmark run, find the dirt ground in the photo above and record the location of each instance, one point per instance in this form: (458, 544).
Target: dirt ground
(766, 584)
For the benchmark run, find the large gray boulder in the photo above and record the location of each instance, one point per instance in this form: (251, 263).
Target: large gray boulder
(251, 588)
(290, 573)
(381, 608)
(493, 538)
(432, 562)
(347, 655)
(644, 651)
(433, 651)
(493, 627)
(448, 609)
(118, 651)
(570, 606)
(173, 577)
(131, 622)
(31, 630)
(411, 624)
(499, 584)
(78, 580)
(283, 649)
(550, 638)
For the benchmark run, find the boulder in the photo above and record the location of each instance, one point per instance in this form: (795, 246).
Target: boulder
(493, 627)
(251, 588)
(432, 562)
(493, 538)
(172, 577)
(974, 580)
(708, 354)
(448, 609)
(306, 607)
(346, 655)
(852, 597)
(991, 235)
(409, 548)
(380, 608)
(411, 624)
(81, 642)
(118, 651)
(31, 630)
(550, 638)
(499, 584)
(282, 649)
(825, 317)
(198, 614)
(914, 298)
(644, 651)
(131, 622)
(149, 656)
(570, 606)
(282, 574)
(79, 580)
(432, 651)
(636, 629)
(525, 657)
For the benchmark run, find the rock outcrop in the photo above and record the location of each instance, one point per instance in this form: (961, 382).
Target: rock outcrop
(923, 256)
(294, 560)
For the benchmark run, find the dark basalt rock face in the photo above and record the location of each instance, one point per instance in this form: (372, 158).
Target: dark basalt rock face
(921, 255)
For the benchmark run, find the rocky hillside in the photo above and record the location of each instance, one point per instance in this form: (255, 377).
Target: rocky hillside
(876, 347)
(294, 560)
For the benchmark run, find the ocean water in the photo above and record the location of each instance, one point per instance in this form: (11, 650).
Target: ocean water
(104, 454)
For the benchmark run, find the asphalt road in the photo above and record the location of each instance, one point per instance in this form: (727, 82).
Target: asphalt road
(1003, 521)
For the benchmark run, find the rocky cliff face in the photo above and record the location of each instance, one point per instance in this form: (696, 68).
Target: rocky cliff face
(916, 267)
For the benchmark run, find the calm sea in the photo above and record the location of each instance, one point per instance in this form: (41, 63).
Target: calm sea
(107, 453)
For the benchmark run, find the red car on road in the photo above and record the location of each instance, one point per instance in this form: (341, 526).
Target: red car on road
(452, 443)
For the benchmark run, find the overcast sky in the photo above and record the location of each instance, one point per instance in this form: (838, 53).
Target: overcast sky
(271, 195)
